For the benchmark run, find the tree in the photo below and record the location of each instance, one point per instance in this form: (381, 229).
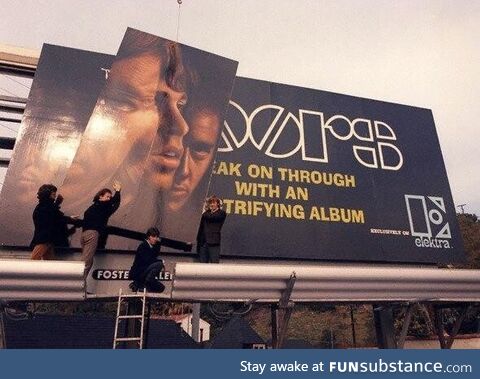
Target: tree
(470, 229)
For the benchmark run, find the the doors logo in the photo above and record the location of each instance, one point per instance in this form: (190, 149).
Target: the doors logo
(427, 224)
(312, 131)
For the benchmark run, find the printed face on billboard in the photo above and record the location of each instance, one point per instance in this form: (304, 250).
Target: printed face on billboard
(154, 129)
(146, 92)
(200, 147)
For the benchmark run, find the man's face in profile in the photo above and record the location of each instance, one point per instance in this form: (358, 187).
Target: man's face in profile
(198, 154)
(148, 109)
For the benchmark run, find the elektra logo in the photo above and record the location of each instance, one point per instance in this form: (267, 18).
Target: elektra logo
(308, 132)
(426, 218)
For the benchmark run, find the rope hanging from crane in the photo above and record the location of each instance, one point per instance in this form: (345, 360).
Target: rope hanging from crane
(179, 2)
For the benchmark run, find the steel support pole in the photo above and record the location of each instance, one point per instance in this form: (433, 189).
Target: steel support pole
(456, 326)
(385, 331)
(3, 338)
(281, 313)
(406, 325)
(352, 322)
(196, 322)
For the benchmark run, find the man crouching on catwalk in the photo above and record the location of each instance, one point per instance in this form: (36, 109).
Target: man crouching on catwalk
(146, 267)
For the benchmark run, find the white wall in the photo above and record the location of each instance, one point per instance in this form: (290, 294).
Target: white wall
(461, 342)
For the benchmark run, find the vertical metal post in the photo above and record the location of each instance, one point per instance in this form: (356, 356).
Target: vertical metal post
(385, 331)
(352, 320)
(284, 316)
(3, 338)
(406, 324)
(456, 326)
(273, 313)
(196, 322)
(147, 327)
(281, 314)
(132, 326)
(438, 325)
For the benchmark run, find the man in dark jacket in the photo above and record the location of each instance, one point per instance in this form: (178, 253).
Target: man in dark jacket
(209, 234)
(95, 221)
(46, 218)
(146, 267)
(63, 231)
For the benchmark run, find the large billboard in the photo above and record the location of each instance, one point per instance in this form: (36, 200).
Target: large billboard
(304, 174)
(155, 115)
(308, 174)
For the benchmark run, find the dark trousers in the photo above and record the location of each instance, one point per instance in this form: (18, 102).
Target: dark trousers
(149, 278)
(209, 253)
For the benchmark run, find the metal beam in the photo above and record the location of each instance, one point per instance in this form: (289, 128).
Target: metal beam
(328, 283)
(406, 324)
(281, 313)
(456, 326)
(195, 322)
(12, 108)
(385, 331)
(8, 119)
(4, 162)
(132, 326)
(7, 143)
(352, 323)
(13, 99)
(11, 69)
(437, 314)
(41, 280)
(18, 61)
(3, 339)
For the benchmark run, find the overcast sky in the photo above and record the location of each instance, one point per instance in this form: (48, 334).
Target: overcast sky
(422, 53)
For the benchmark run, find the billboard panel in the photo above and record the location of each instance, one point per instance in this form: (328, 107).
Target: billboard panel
(158, 115)
(64, 91)
(308, 174)
(153, 123)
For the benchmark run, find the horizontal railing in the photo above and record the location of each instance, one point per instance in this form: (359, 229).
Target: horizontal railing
(41, 280)
(338, 283)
